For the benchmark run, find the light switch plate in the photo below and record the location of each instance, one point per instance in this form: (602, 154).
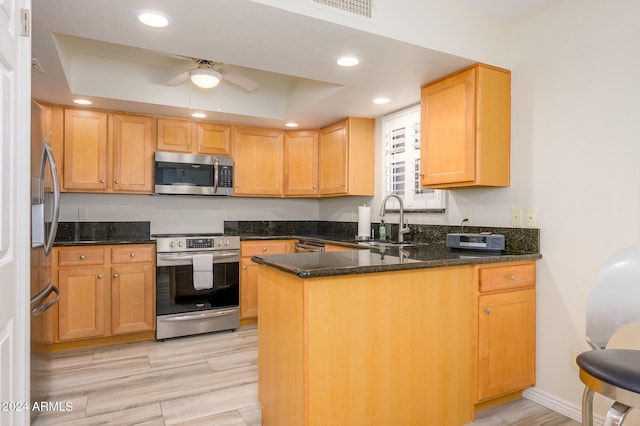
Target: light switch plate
(516, 218)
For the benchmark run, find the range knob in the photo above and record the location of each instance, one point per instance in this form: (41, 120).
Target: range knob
(226, 242)
(172, 244)
(180, 243)
(219, 242)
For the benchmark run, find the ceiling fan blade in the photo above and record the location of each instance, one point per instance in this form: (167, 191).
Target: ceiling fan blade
(178, 79)
(241, 81)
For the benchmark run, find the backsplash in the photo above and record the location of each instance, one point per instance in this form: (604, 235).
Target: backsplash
(102, 231)
(525, 240)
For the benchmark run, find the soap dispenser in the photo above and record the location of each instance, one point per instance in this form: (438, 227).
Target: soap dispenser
(382, 231)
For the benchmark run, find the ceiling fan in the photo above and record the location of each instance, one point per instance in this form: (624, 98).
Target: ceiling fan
(208, 74)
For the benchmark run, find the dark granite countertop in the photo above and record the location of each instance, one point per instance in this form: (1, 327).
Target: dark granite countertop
(369, 260)
(102, 233)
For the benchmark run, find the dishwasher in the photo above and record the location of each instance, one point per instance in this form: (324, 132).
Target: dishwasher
(303, 246)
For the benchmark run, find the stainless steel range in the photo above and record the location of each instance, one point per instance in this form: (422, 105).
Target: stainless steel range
(197, 284)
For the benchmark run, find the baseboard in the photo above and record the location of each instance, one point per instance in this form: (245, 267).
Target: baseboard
(558, 405)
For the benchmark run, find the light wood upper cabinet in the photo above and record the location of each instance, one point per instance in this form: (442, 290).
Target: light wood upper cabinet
(258, 161)
(174, 135)
(347, 157)
(133, 148)
(105, 152)
(301, 162)
(193, 137)
(86, 155)
(466, 129)
(213, 139)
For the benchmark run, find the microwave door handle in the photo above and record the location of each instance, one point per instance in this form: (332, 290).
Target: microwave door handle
(215, 175)
(47, 154)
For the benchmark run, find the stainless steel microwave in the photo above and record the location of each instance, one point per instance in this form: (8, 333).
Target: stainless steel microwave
(189, 174)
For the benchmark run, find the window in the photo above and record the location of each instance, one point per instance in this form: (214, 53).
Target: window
(401, 154)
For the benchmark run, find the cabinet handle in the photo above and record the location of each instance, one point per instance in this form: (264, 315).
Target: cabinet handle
(99, 276)
(81, 257)
(115, 275)
(315, 187)
(201, 146)
(244, 267)
(487, 310)
(264, 249)
(101, 180)
(512, 277)
(117, 182)
(132, 254)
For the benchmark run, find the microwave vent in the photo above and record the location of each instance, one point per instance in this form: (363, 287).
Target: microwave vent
(358, 7)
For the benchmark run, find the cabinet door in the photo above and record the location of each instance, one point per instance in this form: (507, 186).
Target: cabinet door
(133, 147)
(249, 271)
(132, 298)
(448, 139)
(333, 159)
(174, 135)
(248, 289)
(85, 150)
(81, 309)
(258, 161)
(213, 139)
(301, 163)
(506, 342)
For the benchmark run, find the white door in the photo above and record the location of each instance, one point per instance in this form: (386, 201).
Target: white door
(15, 80)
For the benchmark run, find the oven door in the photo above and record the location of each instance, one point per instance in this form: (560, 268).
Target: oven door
(175, 291)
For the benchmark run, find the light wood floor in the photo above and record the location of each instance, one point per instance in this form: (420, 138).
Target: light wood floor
(201, 380)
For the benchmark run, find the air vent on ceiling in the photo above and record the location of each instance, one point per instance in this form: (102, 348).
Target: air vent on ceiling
(359, 7)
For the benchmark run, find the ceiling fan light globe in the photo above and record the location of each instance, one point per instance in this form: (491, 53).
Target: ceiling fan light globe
(205, 78)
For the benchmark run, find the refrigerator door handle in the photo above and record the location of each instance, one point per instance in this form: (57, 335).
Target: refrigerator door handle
(43, 293)
(47, 154)
(40, 309)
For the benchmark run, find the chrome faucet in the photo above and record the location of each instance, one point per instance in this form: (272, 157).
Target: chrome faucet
(402, 229)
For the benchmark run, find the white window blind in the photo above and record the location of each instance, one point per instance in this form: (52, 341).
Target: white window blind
(401, 155)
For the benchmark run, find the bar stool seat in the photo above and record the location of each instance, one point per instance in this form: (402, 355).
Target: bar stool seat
(615, 373)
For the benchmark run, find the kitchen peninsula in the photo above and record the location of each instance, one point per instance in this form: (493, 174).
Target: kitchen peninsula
(392, 336)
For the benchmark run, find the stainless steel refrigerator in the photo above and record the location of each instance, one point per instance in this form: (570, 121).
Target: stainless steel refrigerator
(45, 206)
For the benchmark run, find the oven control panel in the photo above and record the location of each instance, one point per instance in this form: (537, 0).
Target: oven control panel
(199, 243)
(196, 243)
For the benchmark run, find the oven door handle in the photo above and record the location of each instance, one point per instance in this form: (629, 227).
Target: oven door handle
(215, 256)
(199, 316)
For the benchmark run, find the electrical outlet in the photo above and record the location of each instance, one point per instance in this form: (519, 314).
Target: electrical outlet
(532, 217)
(574, 355)
(83, 213)
(516, 218)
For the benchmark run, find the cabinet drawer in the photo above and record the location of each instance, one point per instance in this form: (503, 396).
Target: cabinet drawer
(252, 248)
(132, 254)
(80, 256)
(507, 277)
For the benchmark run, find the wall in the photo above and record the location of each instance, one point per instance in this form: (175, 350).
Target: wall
(175, 214)
(575, 116)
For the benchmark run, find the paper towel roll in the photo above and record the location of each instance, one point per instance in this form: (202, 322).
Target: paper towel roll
(364, 222)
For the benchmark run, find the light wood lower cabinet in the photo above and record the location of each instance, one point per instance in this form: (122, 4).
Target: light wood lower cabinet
(249, 271)
(105, 291)
(506, 329)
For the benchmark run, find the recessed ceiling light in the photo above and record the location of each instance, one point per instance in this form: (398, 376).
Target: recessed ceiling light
(198, 115)
(348, 61)
(153, 19)
(82, 101)
(381, 101)
(291, 124)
